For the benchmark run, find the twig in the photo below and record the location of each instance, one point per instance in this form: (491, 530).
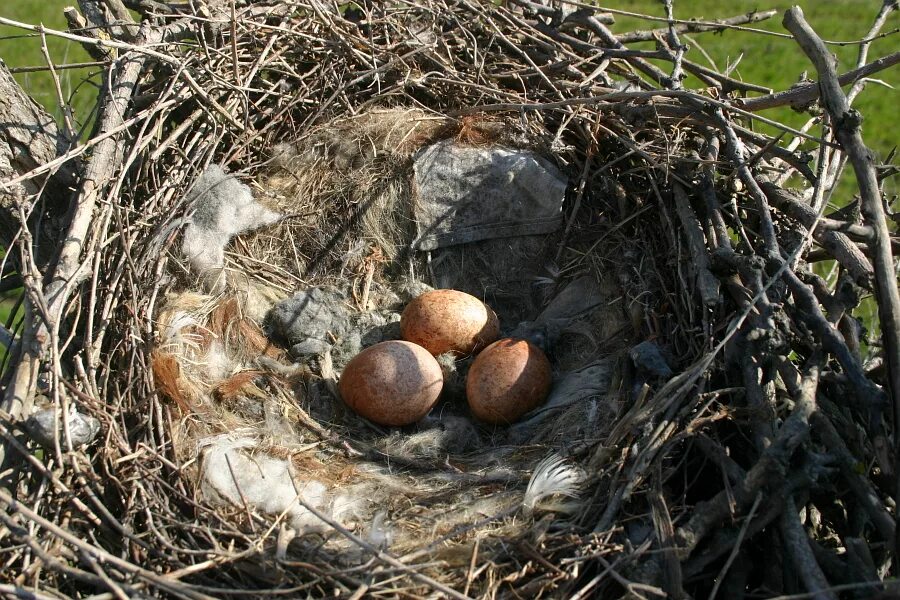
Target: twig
(695, 27)
(767, 471)
(846, 122)
(737, 547)
(39, 334)
(887, 7)
(797, 543)
(838, 244)
(804, 94)
(706, 282)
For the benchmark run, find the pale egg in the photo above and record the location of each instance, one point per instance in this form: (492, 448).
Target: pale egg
(393, 383)
(449, 321)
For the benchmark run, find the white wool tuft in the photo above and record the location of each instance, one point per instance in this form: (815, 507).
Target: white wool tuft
(552, 477)
(218, 365)
(222, 208)
(173, 331)
(380, 533)
(231, 476)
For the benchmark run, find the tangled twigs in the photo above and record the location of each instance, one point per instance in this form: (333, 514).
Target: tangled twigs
(847, 130)
(42, 331)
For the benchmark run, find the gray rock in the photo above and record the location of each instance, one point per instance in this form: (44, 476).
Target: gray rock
(310, 320)
(310, 347)
(466, 194)
(82, 428)
(649, 361)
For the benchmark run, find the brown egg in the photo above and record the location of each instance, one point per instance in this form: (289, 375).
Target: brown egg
(449, 321)
(509, 378)
(392, 383)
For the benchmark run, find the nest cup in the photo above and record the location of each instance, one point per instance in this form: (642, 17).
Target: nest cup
(348, 198)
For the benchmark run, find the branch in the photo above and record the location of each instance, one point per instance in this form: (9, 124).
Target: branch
(29, 137)
(647, 35)
(39, 332)
(768, 472)
(706, 282)
(838, 244)
(797, 542)
(804, 94)
(846, 123)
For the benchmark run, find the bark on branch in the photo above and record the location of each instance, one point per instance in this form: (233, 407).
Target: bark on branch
(41, 330)
(29, 137)
(846, 122)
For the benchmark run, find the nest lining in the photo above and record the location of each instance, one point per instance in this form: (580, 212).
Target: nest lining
(241, 398)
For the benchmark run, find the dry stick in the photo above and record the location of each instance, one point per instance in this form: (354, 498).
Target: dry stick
(688, 96)
(838, 244)
(38, 69)
(123, 18)
(737, 547)
(648, 35)
(806, 93)
(797, 542)
(608, 40)
(807, 215)
(706, 282)
(737, 154)
(868, 395)
(665, 534)
(579, 193)
(77, 22)
(169, 32)
(10, 505)
(674, 46)
(104, 162)
(887, 7)
(555, 13)
(861, 487)
(724, 540)
(846, 123)
(769, 469)
(725, 82)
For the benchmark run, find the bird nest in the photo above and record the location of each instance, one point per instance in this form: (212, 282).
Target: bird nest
(717, 407)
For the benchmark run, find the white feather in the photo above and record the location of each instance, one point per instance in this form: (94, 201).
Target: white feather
(552, 477)
(180, 320)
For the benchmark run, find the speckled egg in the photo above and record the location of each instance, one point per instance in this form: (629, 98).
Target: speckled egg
(509, 378)
(393, 383)
(449, 321)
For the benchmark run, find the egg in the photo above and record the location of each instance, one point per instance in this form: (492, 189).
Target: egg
(508, 379)
(449, 321)
(393, 383)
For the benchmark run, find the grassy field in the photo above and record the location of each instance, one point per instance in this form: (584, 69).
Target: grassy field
(768, 60)
(19, 48)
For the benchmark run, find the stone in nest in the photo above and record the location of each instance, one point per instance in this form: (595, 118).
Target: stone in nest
(310, 320)
(43, 425)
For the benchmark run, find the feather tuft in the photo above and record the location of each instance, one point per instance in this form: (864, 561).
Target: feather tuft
(552, 477)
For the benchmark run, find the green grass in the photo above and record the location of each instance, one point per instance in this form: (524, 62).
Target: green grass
(20, 48)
